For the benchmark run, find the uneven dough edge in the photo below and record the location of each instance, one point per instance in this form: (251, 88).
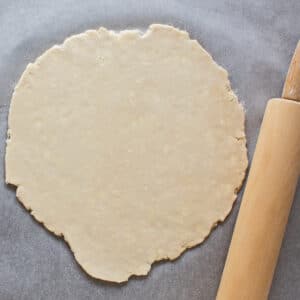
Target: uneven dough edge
(146, 267)
(124, 34)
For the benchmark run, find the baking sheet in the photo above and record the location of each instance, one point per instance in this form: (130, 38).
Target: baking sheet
(253, 40)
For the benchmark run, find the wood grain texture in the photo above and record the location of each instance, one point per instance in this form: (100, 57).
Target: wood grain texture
(265, 207)
(291, 89)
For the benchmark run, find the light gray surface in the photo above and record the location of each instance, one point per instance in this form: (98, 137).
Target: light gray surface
(253, 40)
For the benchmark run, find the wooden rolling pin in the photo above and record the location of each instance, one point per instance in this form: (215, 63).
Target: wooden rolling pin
(268, 197)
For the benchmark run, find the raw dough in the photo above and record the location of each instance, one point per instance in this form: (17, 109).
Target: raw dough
(131, 146)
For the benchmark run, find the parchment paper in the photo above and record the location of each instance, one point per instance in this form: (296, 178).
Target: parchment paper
(253, 40)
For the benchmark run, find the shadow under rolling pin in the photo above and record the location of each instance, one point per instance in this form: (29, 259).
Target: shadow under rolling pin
(268, 197)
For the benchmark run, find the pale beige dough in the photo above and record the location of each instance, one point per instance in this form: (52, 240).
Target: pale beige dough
(131, 146)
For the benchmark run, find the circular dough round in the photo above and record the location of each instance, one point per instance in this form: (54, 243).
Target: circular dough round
(131, 146)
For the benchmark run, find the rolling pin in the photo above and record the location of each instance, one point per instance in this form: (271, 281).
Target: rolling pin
(268, 197)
